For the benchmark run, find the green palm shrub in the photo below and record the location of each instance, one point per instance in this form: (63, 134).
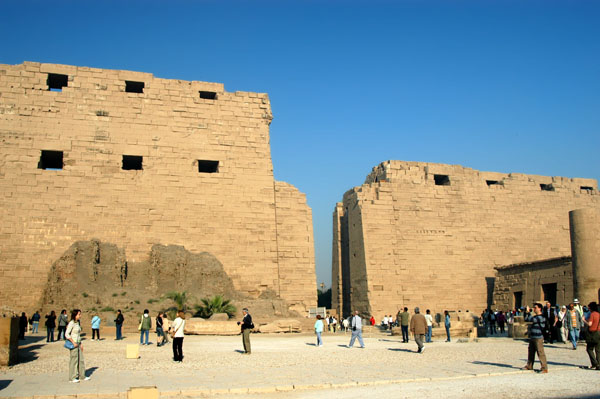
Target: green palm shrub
(216, 304)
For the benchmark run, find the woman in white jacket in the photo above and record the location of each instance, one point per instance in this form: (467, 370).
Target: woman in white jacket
(177, 331)
(73, 334)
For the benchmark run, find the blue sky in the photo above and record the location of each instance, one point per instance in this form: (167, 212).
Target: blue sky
(507, 86)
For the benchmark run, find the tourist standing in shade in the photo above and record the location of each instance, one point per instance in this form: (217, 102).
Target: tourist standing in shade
(246, 326)
(144, 327)
(536, 337)
(178, 334)
(447, 325)
(119, 324)
(319, 330)
(35, 322)
(404, 322)
(418, 326)
(50, 326)
(593, 336)
(574, 323)
(96, 327)
(23, 323)
(73, 334)
(63, 320)
(429, 320)
(356, 327)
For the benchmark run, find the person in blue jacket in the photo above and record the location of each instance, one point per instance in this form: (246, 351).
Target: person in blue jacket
(319, 330)
(96, 327)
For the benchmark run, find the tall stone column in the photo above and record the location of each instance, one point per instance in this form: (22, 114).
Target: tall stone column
(585, 249)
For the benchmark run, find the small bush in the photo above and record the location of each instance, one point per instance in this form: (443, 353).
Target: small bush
(115, 294)
(107, 309)
(137, 302)
(123, 293)
(151, 301)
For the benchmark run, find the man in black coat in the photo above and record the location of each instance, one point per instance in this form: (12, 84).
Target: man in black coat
(246, 325)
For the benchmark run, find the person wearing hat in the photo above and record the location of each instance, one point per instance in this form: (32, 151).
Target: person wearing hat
(246, 325)
(418, 326)
(574, 322)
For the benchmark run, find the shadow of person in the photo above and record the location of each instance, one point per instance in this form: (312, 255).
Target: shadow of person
(510, 366)
(4, 384)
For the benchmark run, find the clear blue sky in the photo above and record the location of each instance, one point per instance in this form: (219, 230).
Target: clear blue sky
(507, 86)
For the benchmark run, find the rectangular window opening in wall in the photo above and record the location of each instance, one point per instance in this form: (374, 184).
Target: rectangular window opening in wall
(587, 188)
(549, 293)
(51, 160)
(134, 87)
(546, 187)
(208, 166)
(132, 162)
(208, 95)
(441, 180)
(57, 81)
(492, 182)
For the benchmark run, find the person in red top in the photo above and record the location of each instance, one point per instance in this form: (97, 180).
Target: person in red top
(593, 336)
(372, 320)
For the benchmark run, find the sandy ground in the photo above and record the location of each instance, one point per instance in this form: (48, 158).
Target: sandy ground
(291, 366)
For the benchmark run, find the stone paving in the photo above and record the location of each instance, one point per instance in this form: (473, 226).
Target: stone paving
(291, 366)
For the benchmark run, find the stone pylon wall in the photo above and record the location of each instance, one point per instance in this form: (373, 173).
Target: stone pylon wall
(174, 125)
(417, 242)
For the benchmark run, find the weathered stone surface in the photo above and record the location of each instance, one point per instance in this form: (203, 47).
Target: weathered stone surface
(429, 235)
(219, 317)
(281, 326)
(205, 183)
(9, 344)
(198, 326)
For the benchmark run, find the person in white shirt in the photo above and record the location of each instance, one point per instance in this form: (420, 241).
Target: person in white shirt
(356, 325)
(429, 321)
(177, 328)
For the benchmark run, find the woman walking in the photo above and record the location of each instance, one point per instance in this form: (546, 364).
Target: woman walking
(119, 324)
(160, 332)
(178, 326)
(319, 330)
(73, 334)
(447, 325)
(50, 326)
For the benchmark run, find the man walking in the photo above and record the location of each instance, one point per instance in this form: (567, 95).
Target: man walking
(356, 326)
(246, 326)
(404, 321)
(536, 337)
(418, 326)
(574, 322)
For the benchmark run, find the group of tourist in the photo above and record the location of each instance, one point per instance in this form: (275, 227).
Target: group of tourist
(540, 331)
(420, 325)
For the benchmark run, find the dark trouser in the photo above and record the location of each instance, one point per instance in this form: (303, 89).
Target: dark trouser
(593, 345)
(246, 340)
(119, 327)
(61, 332)
(49, 334)
(404, 333)
(178, 349)
(536, 345)
(419, 338)
(447, 333)
(96, 333)
(501, 324)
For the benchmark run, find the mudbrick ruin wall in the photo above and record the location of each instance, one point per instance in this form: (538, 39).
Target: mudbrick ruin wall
(430, 235)
(134, 164)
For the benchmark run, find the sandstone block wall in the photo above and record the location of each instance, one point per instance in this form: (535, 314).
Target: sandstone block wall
(527, 280)
(430, 235)
(226, 206)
